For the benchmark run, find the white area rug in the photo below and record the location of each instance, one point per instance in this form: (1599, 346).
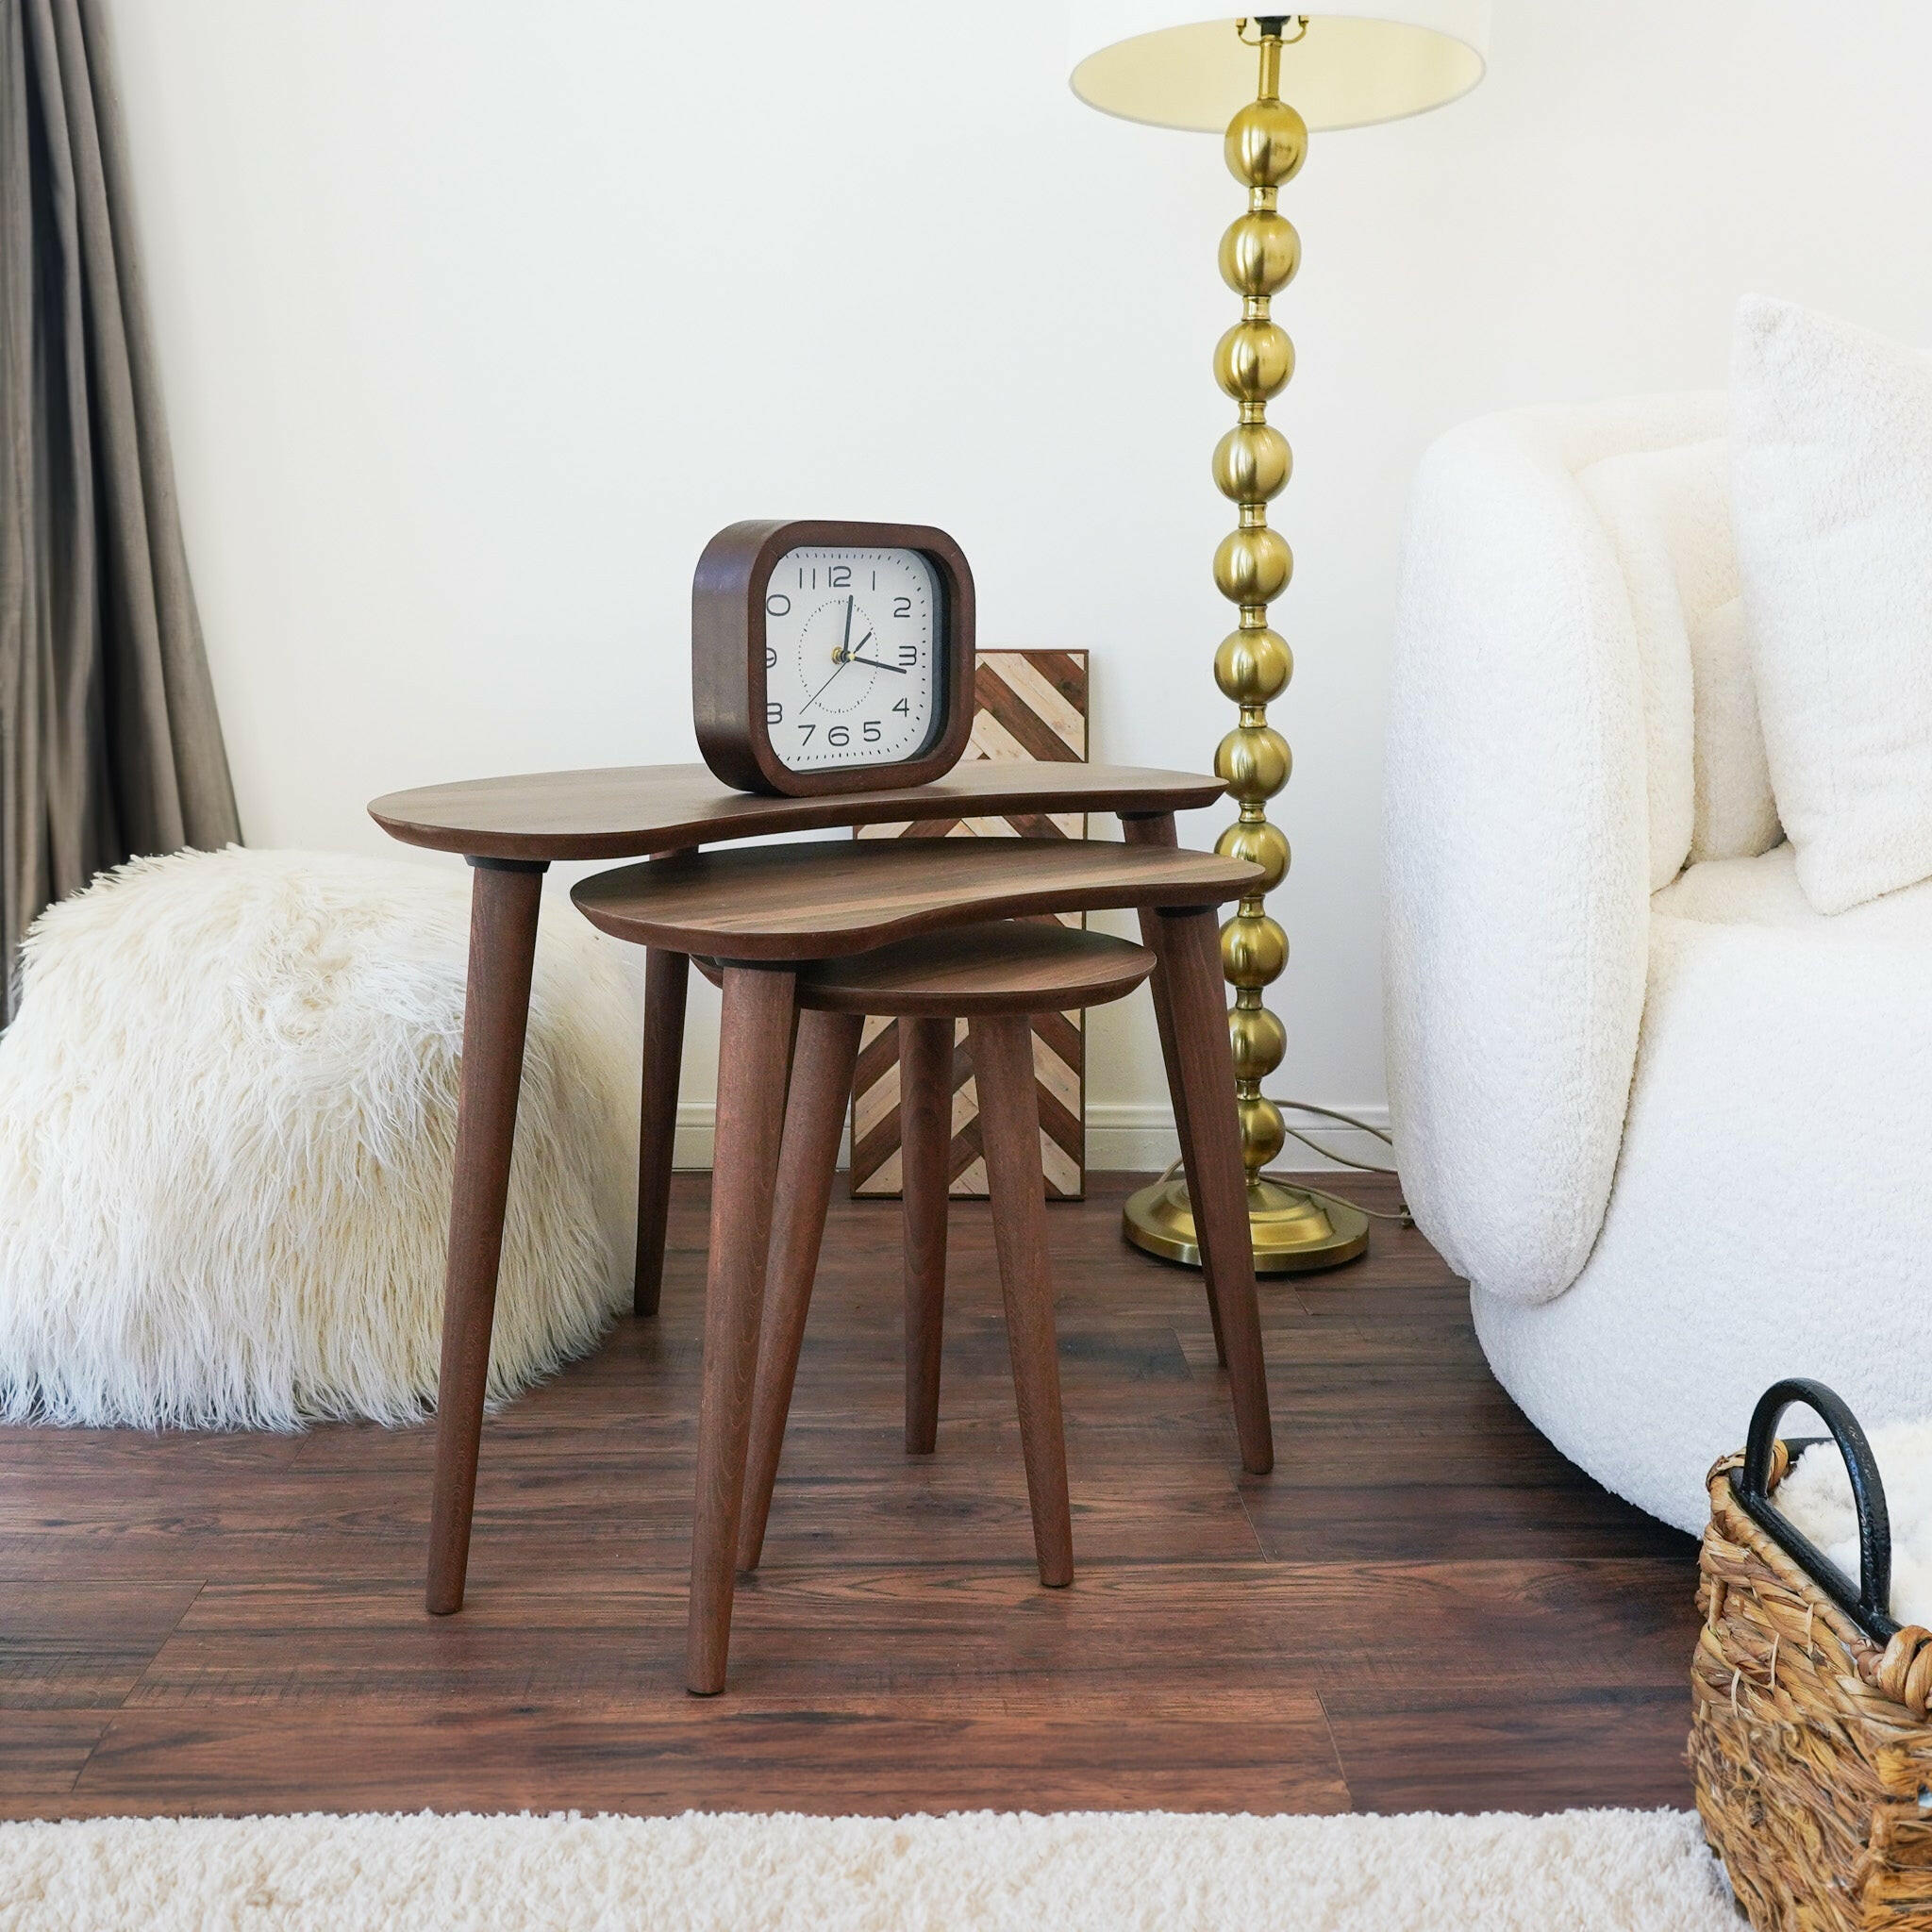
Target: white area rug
(1578, 1871)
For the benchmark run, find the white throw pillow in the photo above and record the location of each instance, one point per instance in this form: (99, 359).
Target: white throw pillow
(1831, 506)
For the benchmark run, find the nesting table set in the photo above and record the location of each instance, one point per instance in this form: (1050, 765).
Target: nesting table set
(804, 938)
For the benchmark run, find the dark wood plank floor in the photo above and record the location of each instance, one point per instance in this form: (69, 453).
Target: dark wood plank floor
(1423, 1606)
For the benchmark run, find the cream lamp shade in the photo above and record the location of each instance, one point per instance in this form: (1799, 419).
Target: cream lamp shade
(1361, 61)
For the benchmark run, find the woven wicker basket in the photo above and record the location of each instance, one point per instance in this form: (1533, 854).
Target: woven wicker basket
(1810, 1742)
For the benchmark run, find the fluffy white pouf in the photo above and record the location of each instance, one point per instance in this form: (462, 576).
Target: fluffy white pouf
(227, 1128)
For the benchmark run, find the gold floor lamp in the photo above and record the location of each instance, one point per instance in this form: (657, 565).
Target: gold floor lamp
(1267, 80)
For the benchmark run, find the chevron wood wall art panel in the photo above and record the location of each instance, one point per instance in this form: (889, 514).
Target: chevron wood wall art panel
(1027, 705)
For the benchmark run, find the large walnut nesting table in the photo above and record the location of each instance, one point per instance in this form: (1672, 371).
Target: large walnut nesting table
(760, 912)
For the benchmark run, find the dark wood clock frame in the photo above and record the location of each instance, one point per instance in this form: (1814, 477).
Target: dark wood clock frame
(727, 655)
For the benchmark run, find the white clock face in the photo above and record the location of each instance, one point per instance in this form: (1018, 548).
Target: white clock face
(853, 640)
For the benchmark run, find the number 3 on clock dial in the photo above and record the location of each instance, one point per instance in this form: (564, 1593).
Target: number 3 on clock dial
(852, 649)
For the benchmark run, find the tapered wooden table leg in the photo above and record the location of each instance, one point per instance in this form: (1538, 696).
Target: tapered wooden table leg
(1159, 830)
(504, 899)
(1189, 951)
(926, 1146)
(823, 1058)
(1010, 1128)
(666, 978)
(755, 1039)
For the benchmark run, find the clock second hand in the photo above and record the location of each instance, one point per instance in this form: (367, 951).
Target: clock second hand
(841, 658)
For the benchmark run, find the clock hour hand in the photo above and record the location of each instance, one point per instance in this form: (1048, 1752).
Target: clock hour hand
(877, 663)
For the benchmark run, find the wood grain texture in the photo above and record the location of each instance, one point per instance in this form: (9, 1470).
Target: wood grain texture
(42, 1753)
(1098, 1749)
(667, 977)
(753, 1056)
(629, 811)
(496, 1013)
(1005, 966)
(1003, 1054)
(60, 1654)
(826, 1045)
(1423, 1606)
(1189, 954)
(925, 1116)
(831, 898)
(1157, 830)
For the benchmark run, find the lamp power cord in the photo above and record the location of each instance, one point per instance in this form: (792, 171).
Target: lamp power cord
(1402, 1218)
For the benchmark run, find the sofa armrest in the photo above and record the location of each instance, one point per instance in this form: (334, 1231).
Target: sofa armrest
(1516, 857)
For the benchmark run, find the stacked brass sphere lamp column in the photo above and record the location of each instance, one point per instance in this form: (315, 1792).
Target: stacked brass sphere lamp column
(1359, 61)
(1265, 145)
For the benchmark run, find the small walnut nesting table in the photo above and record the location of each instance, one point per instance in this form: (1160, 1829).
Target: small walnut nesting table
(763, 912)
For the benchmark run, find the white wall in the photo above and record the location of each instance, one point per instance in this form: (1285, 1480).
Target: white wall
(477, 318)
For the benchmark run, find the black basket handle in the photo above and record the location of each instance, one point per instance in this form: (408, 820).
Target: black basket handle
(1868, 1603)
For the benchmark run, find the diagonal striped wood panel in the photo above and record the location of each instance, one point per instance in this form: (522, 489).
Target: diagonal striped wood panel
(1027, 705)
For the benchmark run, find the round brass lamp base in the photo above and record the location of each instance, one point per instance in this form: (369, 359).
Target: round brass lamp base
(1295, 1233)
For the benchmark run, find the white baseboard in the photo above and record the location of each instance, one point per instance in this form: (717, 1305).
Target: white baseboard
(1140, 1135)
(1135, 1136)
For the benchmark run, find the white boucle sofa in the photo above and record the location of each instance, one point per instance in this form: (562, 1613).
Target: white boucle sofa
(1674, 1126)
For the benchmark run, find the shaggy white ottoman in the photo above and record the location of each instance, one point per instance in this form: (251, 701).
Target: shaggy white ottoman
(227, 1124)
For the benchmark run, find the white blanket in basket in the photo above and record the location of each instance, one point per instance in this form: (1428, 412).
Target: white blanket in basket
(1817, 1497)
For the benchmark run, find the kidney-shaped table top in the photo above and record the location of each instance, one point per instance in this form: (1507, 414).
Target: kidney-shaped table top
(832, 898)
(631, 811)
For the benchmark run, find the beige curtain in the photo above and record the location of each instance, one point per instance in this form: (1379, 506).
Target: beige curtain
(110, 744)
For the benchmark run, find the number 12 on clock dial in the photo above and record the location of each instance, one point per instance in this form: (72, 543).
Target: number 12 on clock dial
(852, 648)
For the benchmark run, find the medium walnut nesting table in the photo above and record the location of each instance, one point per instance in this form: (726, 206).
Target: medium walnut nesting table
(760, 911)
